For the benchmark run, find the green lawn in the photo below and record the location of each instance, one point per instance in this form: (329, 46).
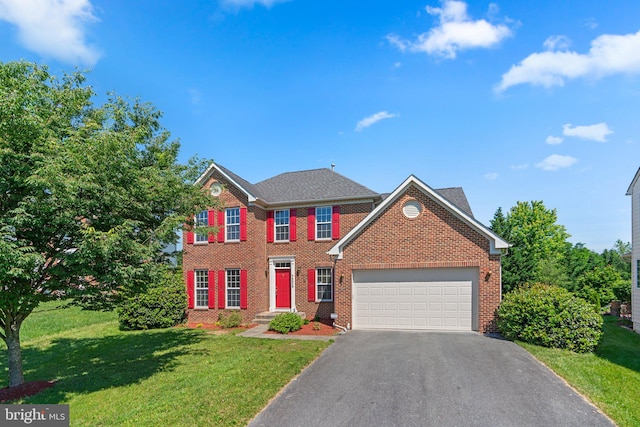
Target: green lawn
(162, 377)
(610, 377)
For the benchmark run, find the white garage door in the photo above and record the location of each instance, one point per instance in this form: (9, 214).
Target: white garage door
(434, 298)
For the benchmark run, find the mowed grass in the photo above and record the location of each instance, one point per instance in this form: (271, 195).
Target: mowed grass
(170, 377)
(610, 377)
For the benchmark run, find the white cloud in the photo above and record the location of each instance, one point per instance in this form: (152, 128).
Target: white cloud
(597, 132)
(249, 3)
(555, 162)
(557, 43)
(520, 167)
(456, 31)
(609, 54)
(491, 176)
(53, 27)
(368, 121)
(554, 140)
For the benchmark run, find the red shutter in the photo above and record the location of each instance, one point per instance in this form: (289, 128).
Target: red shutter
(293, 234)
(243, 224)
(311, 224)
(243, 289)
(212, 237)
(189, 234)
(221, 226)
(221, 288)
(270, 227)
(311, 285)
(212, 288)
(335, 223)
(190, 281)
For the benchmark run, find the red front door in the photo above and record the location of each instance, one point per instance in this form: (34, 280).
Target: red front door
(283, 288)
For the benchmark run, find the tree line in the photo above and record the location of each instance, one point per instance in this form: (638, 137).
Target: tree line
(541, 253)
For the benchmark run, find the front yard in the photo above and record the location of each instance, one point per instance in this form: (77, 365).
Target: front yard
(173, 376)
(610, 377)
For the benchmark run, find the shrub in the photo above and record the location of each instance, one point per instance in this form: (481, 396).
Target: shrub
(622, 290)
(163, 304)
(286, 322)
(233, 320)
(551, 317)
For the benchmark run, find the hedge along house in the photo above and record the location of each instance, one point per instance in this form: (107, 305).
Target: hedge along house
(317, 242)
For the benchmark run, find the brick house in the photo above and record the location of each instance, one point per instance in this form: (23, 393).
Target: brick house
(317, 242)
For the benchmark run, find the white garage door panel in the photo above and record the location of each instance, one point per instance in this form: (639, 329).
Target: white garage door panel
(414, 299)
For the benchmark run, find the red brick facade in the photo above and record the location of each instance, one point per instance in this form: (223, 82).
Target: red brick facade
(436, 238)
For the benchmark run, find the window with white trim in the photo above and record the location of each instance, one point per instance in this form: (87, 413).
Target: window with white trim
(282, 225)
(233, 288)
(323, 222)
(202, 220)
(202, 288)
(638, 273)
(232, 224)
(324, 286)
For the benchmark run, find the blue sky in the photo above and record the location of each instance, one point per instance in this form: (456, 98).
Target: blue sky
(512, 100)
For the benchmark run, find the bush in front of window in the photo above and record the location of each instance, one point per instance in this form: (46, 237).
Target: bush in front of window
(162, 305)
(550, 316)
(233, 320)
(286, 322)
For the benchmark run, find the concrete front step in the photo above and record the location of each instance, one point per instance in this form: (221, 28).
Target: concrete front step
(267, 316)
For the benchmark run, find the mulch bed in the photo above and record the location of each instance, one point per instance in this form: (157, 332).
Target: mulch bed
(31, 388)
(314, 328)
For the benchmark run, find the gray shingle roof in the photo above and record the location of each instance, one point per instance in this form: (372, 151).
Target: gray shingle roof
(241, 181)
(457, 197)
(311, 185)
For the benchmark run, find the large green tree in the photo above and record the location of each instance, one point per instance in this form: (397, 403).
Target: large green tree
(89, 195)
(538, 243)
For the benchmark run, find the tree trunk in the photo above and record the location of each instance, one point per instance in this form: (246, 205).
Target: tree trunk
(16, 376)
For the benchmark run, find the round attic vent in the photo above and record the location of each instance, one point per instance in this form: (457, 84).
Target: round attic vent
(215, 189)
(411, 209)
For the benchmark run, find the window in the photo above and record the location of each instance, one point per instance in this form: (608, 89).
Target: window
(638, 273)
(202, 220)
(324, 291)
(323, 222)
(202, 288)
(233, 288)
(282, 225)
(232, 224)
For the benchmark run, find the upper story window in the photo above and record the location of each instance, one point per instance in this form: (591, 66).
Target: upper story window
(323, 222)
(232, 224)
(202, 220)
(282, 225)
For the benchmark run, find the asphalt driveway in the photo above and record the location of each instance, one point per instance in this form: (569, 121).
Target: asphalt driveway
(369, 378)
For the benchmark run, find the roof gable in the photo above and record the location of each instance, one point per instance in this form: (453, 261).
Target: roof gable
(633, 183)
(496, 242)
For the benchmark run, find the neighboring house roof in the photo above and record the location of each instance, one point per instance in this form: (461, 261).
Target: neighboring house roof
(633, 183)
(309, 186)
(496, 242)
